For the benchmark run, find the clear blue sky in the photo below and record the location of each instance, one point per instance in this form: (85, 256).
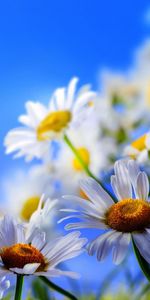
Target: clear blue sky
(44, 43)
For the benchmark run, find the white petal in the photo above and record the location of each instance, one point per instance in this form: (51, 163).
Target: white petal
(142, 186)
(142, 241)
(39, 240)
(120, 247)
(8, 231)
(28, 269)
(121, 181)
(133, 173)
(96, 193)
(71, 92)
(56, 273)
(103, 244)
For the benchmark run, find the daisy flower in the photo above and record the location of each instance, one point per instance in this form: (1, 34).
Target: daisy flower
(139, 149)
(32, 255)
(96, 153)
(23, 189)
(67, 108)
(126, 219)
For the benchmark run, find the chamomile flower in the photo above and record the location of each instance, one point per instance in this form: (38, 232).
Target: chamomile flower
(23, 190)
(95, 152)
(126, 219)
(33, 255)
(139, 149)
(67, 108)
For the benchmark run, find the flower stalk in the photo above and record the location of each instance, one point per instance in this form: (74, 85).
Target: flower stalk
(55, 287)
(19, 285)
(84, 165)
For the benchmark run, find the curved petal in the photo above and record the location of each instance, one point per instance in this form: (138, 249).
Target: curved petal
(121, 181)
(142, 186)
(142, 241)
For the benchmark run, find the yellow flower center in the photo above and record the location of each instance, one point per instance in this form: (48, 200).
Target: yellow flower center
(129, 215)
(139, 144)
(29, 207)
(18, 255)
(85, 155)
(53, 122)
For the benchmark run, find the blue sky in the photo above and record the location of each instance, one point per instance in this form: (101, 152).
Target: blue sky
(45, 43)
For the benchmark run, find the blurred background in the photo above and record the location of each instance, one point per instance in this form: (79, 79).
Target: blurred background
(44, 44)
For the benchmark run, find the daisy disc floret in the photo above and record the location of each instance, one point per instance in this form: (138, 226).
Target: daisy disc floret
(67, 108)
(129, 217)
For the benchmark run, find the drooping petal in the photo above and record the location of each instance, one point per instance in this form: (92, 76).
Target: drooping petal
(120, 247)
(142, 241)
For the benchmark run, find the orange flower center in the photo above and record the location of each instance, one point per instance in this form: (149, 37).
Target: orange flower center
(18, 255)
(129, 215)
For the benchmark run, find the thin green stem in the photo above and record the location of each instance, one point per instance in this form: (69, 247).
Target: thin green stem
(19, 286)
(84, 165)
(55, 287)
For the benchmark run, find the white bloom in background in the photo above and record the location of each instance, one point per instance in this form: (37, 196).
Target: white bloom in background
(33, 255)
(67, 108)
(126, 219)
(139, 149)
(44, 217)
(96, 153)
(22, 190)
(4, 285)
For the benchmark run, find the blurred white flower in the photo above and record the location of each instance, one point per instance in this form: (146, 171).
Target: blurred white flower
(139, 149)
(125, 219)
(22, 190)
(66, 109)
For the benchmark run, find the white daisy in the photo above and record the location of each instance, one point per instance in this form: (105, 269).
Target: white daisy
(67, 108)
(95, 152)
(22, 190)
(32, 255)
(126, 219)
(139, 149)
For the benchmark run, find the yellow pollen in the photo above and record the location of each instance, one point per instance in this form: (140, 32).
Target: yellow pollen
(139, 144)
(85, 155)
(129, 215)
(53, 122)
(29, 207)
(18, 255)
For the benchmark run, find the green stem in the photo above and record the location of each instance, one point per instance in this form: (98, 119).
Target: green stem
(53, 286)
(84, 165)
(19, 285)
